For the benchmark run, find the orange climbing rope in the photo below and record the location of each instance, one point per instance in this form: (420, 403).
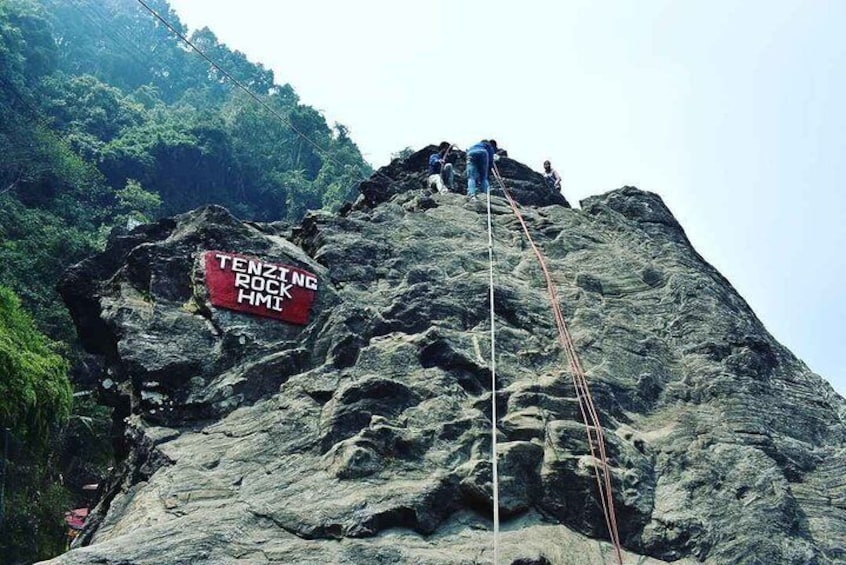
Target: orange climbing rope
(590, 416)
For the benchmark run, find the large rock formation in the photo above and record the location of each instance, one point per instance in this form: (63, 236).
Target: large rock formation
(364, 435)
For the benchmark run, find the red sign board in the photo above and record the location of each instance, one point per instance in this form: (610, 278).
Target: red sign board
(256, 287)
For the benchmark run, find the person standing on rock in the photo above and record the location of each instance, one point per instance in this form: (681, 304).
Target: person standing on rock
(441, 172)
(480, 160)
(551, 177)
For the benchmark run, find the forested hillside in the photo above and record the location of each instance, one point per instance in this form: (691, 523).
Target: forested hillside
(108, 120)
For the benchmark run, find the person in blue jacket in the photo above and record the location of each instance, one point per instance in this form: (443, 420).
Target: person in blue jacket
(441, 172)
(480, 160)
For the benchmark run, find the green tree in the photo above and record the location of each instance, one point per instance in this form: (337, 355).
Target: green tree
(85, 105)
(186, 158)
(34, 389)
(135, 205)
(122, 45)
(253, 76)
(35, 398)
(35, 247)
(27, 49)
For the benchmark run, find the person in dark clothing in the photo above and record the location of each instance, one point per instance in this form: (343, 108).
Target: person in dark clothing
(480, 160)
(441, 172)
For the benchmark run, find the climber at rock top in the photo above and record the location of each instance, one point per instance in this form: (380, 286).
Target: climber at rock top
(480, 160)
(551, 177)
(441, 173)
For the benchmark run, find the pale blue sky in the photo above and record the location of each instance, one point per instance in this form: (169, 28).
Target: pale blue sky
(732, 111)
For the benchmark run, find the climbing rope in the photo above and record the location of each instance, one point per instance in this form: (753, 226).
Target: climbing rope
(495, 474)
(590, 416)
(594, 430)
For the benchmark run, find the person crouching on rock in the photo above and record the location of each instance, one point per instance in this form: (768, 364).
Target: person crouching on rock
(441, 173)
(480, 160)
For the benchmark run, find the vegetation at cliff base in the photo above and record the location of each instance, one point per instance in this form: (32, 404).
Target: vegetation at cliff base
(35, 399)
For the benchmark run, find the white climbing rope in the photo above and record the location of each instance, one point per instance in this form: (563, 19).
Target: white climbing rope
(495, 475)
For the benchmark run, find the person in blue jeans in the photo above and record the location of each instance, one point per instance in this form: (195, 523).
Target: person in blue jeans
(480, 159)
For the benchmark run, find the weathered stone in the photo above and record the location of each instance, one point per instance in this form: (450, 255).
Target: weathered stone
(365, 435)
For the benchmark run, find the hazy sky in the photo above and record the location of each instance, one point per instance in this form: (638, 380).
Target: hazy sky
(732, 111)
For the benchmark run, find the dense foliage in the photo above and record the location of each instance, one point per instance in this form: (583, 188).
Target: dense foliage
(35, 398)
(34, 390)
(108, 120)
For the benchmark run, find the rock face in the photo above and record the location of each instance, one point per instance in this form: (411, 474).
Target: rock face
(364, 436)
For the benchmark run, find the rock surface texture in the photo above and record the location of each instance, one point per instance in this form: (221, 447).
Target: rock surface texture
(364, 436)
